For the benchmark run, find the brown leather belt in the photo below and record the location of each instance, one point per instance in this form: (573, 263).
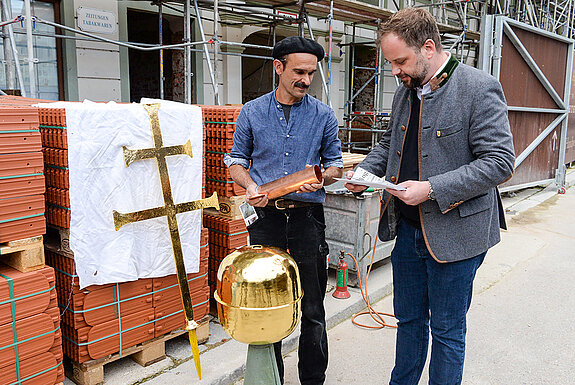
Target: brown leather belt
(282, 204)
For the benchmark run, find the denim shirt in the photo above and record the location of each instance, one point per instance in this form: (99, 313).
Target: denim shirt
(276, 149)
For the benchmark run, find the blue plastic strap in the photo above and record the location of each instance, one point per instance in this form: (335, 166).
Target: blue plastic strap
(27, 295)
(60, 207)
(230, 234)
(221, 181)
(14, 333)
(37, 374)
(24, 217)
(63, 272)
(132, 328)
(118, 313)
(20, 176)
(53, 166)
(17, 131)
(30, 339)
(128, 299)
(62, 128)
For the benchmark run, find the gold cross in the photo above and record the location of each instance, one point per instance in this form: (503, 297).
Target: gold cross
(169, 210)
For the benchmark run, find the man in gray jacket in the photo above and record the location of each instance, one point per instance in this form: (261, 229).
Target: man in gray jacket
(449, 144)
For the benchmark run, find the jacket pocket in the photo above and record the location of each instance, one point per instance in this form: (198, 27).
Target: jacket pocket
(442, 132)
(475, 205)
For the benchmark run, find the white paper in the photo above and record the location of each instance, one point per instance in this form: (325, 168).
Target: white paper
(363, 177)
(100, 183)
(377, 184)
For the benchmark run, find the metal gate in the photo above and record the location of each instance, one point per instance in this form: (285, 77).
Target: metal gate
(535, 68)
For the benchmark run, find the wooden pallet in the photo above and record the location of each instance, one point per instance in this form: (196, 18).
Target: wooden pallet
(146, 353)
(24, 255)
(229, 207)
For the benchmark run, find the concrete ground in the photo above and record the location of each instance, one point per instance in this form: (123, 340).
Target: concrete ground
(521, 328)
(520, 325)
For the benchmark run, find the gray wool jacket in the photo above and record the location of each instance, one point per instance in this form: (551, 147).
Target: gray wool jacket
(465, 149)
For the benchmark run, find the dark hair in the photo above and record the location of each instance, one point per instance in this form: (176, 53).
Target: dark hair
(413, 25)
(283, 60)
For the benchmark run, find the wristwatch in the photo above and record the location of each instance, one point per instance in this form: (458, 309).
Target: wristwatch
(431, 193)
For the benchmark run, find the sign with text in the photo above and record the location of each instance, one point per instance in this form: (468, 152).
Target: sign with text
(95, 20)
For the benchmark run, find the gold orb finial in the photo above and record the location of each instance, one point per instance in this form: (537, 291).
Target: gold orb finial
(258, 294)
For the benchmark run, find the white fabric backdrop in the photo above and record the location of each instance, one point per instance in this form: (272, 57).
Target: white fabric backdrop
(100, 182)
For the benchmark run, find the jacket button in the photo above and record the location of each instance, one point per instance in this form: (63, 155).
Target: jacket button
(403, 128)
(393, 179)
(399, 153)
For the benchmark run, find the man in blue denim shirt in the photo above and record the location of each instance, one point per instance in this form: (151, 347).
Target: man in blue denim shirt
(276, 135)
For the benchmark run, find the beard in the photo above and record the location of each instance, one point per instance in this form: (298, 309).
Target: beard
(418, 77)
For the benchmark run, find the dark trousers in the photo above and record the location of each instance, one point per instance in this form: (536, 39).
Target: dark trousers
(429, 295)
(302, 232)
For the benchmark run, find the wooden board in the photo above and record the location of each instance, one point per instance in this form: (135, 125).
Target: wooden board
(351, 160)
(146, 353)
(23, 255)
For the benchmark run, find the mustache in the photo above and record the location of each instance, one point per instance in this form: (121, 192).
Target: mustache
(301, 85)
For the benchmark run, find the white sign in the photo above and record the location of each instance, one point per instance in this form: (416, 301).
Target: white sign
(95, 20)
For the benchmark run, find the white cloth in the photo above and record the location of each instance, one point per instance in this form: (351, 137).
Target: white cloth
(100, 183)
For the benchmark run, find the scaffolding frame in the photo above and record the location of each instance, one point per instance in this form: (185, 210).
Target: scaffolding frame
(459, 21)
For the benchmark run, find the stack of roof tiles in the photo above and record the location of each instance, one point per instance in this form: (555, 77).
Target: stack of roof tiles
(30, 335)
(219, 126)
(104, 319)
(55, 148)
(21, 173)
(225, 235)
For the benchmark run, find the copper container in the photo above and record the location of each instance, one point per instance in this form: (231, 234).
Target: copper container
(258, 294)
(291, 182)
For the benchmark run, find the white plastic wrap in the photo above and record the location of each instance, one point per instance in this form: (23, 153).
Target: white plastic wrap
(100, 182)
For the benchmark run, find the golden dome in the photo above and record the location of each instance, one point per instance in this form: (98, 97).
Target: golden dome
(258, 294)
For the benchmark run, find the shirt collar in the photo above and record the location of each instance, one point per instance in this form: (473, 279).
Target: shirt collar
(426, 88)
(278, 104)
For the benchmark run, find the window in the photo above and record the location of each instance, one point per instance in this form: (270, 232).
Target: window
(45, 50)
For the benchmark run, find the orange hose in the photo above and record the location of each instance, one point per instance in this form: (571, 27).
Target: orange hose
(377, 316)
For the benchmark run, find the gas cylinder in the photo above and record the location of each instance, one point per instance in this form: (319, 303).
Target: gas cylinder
(341, 291)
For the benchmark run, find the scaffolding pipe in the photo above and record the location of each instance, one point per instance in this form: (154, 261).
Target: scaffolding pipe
(216, 50)
(273, 68)
(6, 10)
(246, 45)
(13, 21)
(30, 45)
(206, 53)
(8, 59)
(156, 46)
(330, 19)
(119, 43)
(188, 52)
(319, 67)
(378, 84)
(246, 7)
(161, 41)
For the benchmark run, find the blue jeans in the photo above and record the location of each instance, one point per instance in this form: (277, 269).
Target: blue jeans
(302, 231)
(426, 293)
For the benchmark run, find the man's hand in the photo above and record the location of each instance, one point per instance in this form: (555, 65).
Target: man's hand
(355, 188)
(310, 187)
(415, 194)
(254, 198)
